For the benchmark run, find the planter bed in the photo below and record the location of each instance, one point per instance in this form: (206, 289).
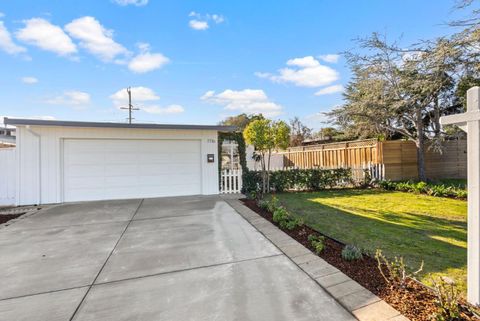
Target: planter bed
(417, 302)
(7, 217)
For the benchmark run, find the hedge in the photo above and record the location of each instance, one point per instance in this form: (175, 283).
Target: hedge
(298, 179)
(440, 190)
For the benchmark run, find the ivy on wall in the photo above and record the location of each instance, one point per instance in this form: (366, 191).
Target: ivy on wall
(237, 137)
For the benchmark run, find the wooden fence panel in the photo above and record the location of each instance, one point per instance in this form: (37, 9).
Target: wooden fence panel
(346, 154)
(398, 156)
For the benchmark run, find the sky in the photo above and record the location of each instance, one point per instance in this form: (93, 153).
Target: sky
(193, 61)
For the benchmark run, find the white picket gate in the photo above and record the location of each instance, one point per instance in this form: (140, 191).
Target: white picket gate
(230, 181)
(7, 176)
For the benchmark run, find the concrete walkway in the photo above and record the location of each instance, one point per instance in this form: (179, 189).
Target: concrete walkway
(184, 258)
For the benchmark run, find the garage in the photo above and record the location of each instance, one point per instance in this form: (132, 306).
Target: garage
(70, 161)
(97, 169)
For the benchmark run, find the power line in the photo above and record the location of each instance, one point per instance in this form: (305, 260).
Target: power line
(130, 106)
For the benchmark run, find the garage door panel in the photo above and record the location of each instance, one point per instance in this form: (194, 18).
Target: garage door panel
(113, 169)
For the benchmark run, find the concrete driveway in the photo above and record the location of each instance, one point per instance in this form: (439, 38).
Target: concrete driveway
(183, 258)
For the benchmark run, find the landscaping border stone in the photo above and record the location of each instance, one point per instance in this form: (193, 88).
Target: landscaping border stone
(362, 303)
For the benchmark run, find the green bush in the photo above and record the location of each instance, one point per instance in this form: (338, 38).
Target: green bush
(273, 204)
(285, 220)
(263, 204)
(439, 190)
(252, 184)
(301, 179)
(351, 253)
(318, 242)
(280, 214)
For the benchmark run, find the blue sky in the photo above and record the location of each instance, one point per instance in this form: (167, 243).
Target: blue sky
(192, 61)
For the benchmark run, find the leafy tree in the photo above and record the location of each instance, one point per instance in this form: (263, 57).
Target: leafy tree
(299, 132)
(241, 120)
(266, 135)
(397, 91)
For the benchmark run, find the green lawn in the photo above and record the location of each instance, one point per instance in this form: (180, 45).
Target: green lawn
(417, 227)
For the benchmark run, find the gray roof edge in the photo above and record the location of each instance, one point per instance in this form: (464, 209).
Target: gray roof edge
(65, 123)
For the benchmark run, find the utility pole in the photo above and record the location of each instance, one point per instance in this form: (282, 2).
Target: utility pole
(130, 106)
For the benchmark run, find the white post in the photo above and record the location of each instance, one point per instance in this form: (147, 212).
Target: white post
(473, 179)
(470, 122)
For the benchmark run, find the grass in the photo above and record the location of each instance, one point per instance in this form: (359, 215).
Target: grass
(417, 227)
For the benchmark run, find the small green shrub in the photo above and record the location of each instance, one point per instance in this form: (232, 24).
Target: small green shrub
(396, 272)
(447, 296)
(280, 214)
(273, 204)
(318, 242)
(439, 190)
(351, 253)
(263, 204)
(285, 220)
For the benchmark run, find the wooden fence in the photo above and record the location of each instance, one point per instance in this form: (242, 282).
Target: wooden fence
(345, 154)
(398, 157)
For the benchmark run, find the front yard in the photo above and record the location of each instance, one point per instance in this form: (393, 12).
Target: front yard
(417, 227)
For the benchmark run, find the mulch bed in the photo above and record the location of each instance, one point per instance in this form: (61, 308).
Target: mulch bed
(416, 301)
(7, 217)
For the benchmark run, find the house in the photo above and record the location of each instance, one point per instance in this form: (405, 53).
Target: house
(69, 161)
(7, 137)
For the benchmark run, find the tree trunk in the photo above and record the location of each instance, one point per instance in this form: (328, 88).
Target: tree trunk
(268, 170)
(420, 144)
(263, 174)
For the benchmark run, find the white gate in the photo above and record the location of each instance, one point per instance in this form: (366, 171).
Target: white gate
(7, 176)
(230, 181)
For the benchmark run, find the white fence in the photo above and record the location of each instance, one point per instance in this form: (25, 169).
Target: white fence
(230, 181)
(7, 176)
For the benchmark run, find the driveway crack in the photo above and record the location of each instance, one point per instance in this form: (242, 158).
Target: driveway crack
(105, 263)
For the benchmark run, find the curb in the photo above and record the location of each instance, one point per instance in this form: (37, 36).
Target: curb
(362, 303)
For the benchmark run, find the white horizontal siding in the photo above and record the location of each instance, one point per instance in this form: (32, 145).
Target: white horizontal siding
(40, 159)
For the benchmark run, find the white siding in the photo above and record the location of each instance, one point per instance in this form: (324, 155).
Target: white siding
(40, 179)
(7, 176)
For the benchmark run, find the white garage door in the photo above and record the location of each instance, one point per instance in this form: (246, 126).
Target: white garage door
(96, 169)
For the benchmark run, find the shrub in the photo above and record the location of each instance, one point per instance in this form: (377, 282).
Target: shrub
(301, 179)
(273, 204)
(318, 242)
(263, 204)
(252, 184)
(280, 214)
(439, 190)
(351, 253)
(396, 273)
(447, 296)
(285, 220)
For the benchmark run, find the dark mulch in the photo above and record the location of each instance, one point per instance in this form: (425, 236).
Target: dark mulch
(416, 301)
(7, 217)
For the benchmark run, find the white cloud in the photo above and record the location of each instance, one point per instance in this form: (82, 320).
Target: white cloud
(139, 94)
(200, 21)
(29, 80)
(72, 98)
(95, 38)
(198, 25)
(246, 101)
(217, 18)
(143, 95)
(2, 15)
(171, 109)
(137, 3)
(146, 61)
(331, 58)
(41, 33)
(329, 90)
(6, 42)
(304, 72)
